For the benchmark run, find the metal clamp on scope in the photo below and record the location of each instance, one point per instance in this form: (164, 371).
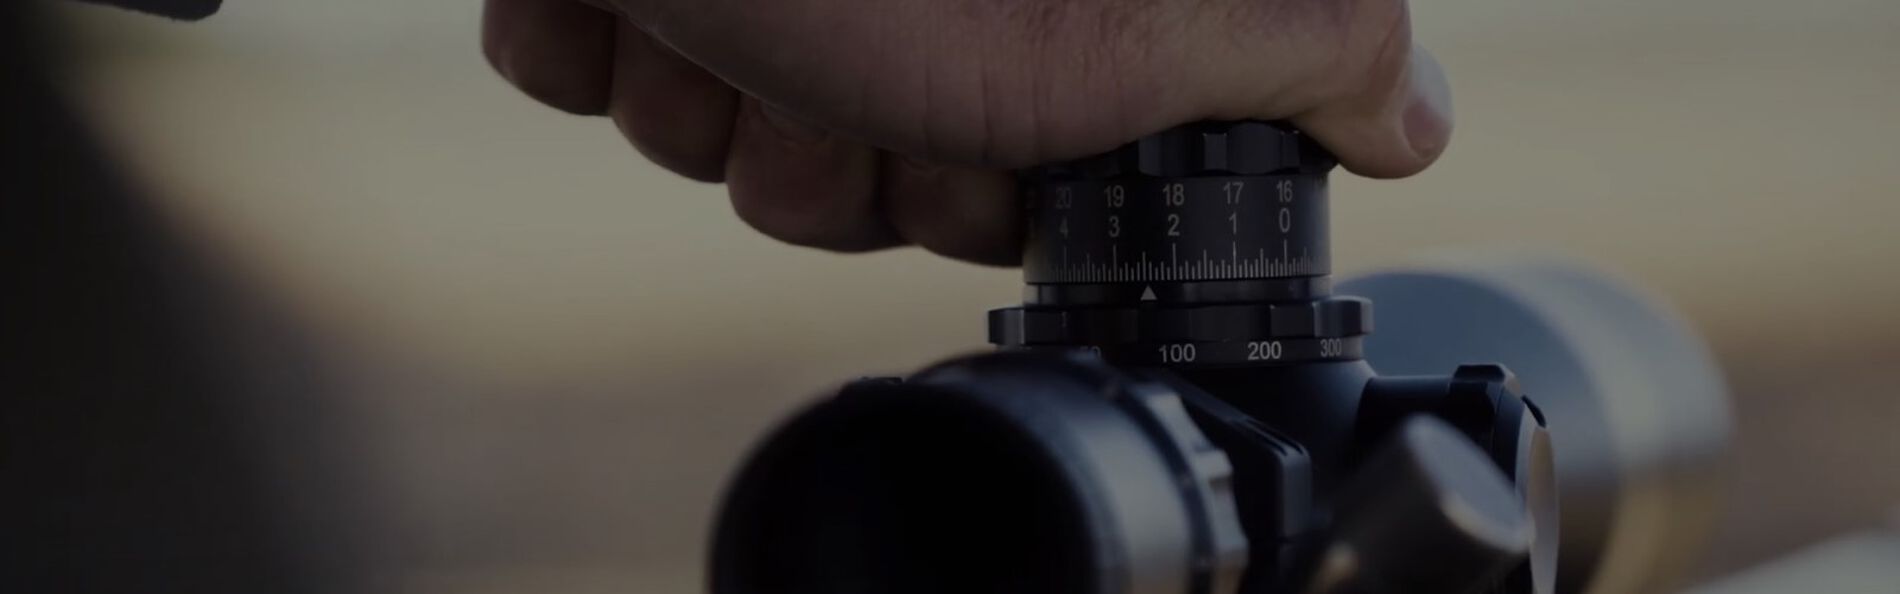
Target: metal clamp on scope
(1183, 405)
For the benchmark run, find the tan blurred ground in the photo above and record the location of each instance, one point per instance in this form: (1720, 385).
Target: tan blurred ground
(552, 351)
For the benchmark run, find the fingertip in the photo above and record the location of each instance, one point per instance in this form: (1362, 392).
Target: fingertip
(1429, 117)
(674, 113)
(958, 212)
(557, 52)
(812, 191)
(1397, 130)
(1370, 149)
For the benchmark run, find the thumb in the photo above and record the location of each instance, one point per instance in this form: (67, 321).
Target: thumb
(1350, 76)
(1388, 130)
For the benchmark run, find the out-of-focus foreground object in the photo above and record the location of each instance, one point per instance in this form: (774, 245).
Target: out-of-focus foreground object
(177, 9)
(132, 457)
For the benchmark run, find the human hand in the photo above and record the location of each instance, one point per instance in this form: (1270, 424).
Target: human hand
(858, 125)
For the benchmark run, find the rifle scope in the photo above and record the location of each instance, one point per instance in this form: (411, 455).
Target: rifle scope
(1185, 404)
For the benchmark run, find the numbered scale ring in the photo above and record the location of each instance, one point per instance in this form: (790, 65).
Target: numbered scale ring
(1202, 245)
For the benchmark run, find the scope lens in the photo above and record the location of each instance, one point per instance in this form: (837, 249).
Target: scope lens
(1003, 473)
(903, 493)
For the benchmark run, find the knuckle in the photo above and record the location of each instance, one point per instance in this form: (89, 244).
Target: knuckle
(1378, 37)
(1368, 43)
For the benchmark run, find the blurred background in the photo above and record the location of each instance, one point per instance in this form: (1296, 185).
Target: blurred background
(508, 355)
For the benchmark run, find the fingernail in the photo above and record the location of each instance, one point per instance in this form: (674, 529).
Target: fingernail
(1428, 119)
(795, 132)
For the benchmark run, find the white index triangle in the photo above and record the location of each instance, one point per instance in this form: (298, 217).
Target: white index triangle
(1147, 293)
